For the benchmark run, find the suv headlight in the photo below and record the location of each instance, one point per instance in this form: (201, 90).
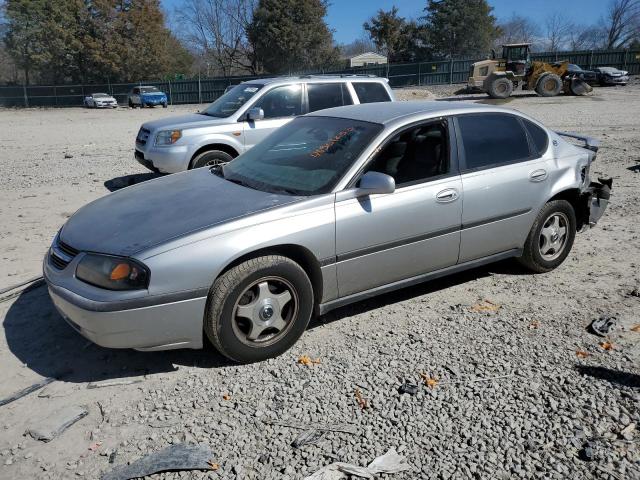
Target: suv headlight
(112, 273)
(168, 137)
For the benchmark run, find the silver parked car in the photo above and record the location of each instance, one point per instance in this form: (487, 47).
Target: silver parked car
(612, 76)
(100, 100)
(245, 115)
(334, 207)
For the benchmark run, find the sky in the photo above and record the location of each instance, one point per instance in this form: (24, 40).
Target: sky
(346, 17)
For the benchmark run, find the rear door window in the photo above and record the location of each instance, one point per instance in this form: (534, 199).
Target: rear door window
(538, 136)
(327, 95)
(492, 139)
(370, 92)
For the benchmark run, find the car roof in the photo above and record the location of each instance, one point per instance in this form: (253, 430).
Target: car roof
(388, 112)
(317, 79)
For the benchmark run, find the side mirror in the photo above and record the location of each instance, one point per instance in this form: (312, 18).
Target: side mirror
(255, 114)
(376, 183)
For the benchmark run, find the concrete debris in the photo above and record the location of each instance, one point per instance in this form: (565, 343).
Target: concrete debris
(603, 325)
(53, 425)
(308, 437)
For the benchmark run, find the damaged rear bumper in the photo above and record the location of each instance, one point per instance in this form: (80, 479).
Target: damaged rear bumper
(595, 200)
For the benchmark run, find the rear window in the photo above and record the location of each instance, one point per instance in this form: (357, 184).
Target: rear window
(370, 92)
(538, 135)
(492, 139)
(327, 95)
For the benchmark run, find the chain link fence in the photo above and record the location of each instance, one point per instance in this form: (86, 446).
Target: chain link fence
(203, 90)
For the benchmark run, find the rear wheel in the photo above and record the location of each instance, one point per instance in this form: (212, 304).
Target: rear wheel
(131, 105)
(210, 159)
(551, 237)
(549, 85)
(500, 87)
(258, 309)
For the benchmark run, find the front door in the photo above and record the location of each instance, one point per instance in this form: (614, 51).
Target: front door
(381, 239)
(280, 105)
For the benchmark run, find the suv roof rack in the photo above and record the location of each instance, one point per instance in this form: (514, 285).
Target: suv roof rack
(338, 75)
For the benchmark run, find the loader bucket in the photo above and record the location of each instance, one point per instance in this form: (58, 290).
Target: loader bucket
(579, 87)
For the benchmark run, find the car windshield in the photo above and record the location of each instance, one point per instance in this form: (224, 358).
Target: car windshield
(231, 101)
(100, 95)
(575, 67)
(307, 156)
(149, 90)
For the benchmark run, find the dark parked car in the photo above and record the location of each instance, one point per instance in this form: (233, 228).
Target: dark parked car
(588, 76)
(612, 76)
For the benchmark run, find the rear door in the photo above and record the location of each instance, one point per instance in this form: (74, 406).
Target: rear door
(281, 105)
(504, 172)
(327, 95)
(381, 239)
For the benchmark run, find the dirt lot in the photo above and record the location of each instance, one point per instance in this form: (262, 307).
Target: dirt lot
(535, 420)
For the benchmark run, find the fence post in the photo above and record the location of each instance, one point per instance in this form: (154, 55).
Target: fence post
(170, 94)
(451, 71)
(199, 90)
(26, 99)
(55, 96)
(625, 59)
(419, 79)
(591, 59)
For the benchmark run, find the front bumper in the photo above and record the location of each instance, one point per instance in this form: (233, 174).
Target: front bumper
(162, 326)
(165, 159)
(615, 80)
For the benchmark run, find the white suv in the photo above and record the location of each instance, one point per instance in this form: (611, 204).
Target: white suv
(245, 115)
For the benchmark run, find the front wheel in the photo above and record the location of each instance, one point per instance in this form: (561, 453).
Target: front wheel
(258, 309)
(549, 85)
(211, 159)
(551, 237)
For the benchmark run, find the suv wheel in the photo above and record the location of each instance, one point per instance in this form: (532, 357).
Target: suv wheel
(131, 105)
(210, 159)
(551, 237)
(258, 309)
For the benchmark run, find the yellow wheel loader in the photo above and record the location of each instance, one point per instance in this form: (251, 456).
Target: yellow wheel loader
(499, 77)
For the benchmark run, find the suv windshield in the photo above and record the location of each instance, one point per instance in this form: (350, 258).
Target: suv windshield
(149, 90)
(100, 95)
(230, 102)
(305, 157)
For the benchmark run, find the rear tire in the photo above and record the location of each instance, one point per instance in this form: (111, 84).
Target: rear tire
(500, 87)
(258, 309)
(549, 85)
(550, 238)
(210, 159)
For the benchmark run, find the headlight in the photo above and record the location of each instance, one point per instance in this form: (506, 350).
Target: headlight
(168, 137)
(112, 273)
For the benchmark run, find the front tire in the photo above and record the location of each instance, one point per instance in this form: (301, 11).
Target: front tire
(210, 159)
(549, 85)
(258, 309)
(551, 237)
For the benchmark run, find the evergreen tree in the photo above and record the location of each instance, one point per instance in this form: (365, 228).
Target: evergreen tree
(399, 39)
(292, 35)
(460, 27)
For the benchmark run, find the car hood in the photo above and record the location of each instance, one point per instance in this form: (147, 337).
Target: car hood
(148, 214)
(190, 120)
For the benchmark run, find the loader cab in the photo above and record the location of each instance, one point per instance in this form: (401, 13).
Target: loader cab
(516, 57)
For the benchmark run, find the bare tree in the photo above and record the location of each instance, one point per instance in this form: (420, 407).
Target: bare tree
(360, 45)
(622, 22)
(557, 31)
(217, 31)
(518, 29)
(587, 37)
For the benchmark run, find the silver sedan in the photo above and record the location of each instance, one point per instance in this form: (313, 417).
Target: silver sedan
(334, 207)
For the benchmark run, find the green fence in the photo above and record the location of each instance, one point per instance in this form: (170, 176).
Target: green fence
(207, 90)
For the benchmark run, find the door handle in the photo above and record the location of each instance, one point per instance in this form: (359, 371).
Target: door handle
(538, 175)
(447, 195)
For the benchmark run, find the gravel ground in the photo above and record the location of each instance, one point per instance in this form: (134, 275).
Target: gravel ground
(518, 388)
